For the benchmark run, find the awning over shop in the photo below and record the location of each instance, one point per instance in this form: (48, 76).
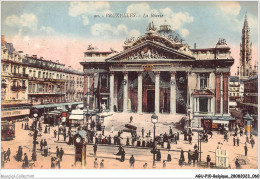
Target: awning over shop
(76, 117)
(55, 105)
(220, 122)
(219, 118)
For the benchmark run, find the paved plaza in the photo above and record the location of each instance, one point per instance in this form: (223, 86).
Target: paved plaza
(142, 155)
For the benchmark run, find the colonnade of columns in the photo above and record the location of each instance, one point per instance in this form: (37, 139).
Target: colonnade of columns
(140, 93)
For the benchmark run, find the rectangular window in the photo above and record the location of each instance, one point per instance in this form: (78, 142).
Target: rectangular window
(39, 74)
(40, 87)
(203, 105)
(203, 81)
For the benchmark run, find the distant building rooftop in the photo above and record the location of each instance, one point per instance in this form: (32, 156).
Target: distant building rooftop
(233, 79)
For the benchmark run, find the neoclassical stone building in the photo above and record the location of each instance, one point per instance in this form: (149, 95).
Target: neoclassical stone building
(159, 73)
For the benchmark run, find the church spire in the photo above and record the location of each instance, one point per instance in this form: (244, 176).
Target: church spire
(245, 51)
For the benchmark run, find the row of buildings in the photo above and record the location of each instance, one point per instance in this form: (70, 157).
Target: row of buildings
(29, 81)
(243, 87)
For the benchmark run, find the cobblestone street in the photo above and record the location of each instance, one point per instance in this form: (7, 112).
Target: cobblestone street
(142, 155)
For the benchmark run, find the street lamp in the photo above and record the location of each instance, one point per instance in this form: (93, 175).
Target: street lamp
(154, 120)
(248, 120)
(35, 115)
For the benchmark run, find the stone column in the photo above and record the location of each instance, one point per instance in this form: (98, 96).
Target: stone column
(88, 90)
(173, 94)
(111, 91)
(218, 96)
(125, 99)
(157, 92)
(140, 92)
(212, 80)
(221, 94)
(213, 101)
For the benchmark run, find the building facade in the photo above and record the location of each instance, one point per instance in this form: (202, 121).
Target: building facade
(159, 73)
(28, 81)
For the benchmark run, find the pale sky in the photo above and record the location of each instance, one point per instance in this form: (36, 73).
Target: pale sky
(63, 30)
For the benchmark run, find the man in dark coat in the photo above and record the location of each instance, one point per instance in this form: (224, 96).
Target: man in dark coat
(57, 151)
(25, 161)
(123, 155)
(132, 161)
(142, 132)
(245, 148)
(61, 153)
(234, 141)
(208, 160)
(131, 119)
(109, 139)
(169, 157)
(158, 156)
(8, 153)
(170, 132)
(95, 149)
(237, 141)
(102, 164)
(252, 141)
(189, 157)
(182, 159)
(190, 139)
(55, 133)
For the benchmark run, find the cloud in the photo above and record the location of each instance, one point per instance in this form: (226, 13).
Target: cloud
(85, 10)
(177, 20)
(25, 20)
(47, 29)
(139, 8)
(231, 8)
(105, 29)
(184, 32)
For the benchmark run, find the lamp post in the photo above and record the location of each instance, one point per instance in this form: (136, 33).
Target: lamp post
(154, 120)
(35, 115)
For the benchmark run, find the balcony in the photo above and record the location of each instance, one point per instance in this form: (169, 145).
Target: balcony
(15, 88)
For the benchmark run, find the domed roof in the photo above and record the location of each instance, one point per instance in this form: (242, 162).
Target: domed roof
(166, 31)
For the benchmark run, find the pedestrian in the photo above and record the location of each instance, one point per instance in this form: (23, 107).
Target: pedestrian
(25, 161)
(237, 141)
(182, 159)
(49, 129)
(131, 119)
(195, 147)
(164, 164)
(234, 141)
(64, 136)
(169, 157)
(45, 130)
(247, 139)
(245, 148)
(168, 145)
(102, 164)
(185, 135)
(55, 133)
(57, 151)
(52, 162)
(241, 132)
(177, 136)
(208, 160)
(226, 137)
(95, 163)
(8, 153)
(41, 144)
(158, 155)
(211, 134)
(61, 153)
(132, 161)
(190, 139)
(170, 132)
(145, 166)
(252, 141)
(149, 133)
(189, 157)
(22, 125)
(95, 149)
(123, 155)
(142, 132)
(237, 164)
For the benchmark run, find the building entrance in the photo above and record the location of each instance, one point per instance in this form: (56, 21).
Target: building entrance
(150, 100)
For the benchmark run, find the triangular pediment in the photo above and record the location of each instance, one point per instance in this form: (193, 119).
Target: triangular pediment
(150, 51)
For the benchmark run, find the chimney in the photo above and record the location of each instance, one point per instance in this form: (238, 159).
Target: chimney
(194, 45)
(41, 58)
(57, 61)
(34, 56)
